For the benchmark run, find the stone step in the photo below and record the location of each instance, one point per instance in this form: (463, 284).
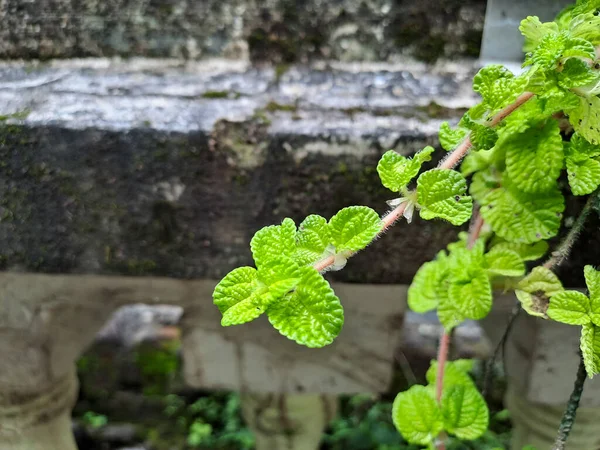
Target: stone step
(158, 167)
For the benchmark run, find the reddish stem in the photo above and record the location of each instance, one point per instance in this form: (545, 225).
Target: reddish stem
(442, 357)
(447, 163)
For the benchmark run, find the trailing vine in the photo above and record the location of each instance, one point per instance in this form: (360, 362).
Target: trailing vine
(512, 147)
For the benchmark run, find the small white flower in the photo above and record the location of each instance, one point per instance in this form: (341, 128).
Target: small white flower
(339, 261)
(408, 210)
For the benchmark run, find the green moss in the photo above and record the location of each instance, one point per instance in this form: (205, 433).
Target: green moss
(273, 106)
(19, 115)
(431, 49)
(220, 94)
(280, 71)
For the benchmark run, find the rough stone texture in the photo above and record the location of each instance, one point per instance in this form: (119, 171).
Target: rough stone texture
(279, 31)
(158, 168)
(142, 169)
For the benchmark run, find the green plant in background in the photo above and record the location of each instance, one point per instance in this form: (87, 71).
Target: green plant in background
(513, 146)
(93, 420)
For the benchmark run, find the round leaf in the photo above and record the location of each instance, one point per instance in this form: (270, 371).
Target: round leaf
(440, 193)
(417, 416)
(465, 412)
(354, 227)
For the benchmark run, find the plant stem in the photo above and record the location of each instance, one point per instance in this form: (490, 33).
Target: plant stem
(568, 418)
(447, 163)
(442, 357)
(562, 252)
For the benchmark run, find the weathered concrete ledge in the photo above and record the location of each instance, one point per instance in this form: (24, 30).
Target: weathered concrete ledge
(279, 31)
(163, 168)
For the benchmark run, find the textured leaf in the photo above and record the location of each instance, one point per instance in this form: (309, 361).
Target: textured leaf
(534, 158)
(586, 26)
(473, 296)
(570, 307)
(312, 315)
(475, 162)
(237, 286)
(417, 416)
(541, 279)
(455, 373)
(244, 311)
(396, 171)
(583, 168)
(535, 289)
(440, 193)
(354, 227)
(482, 137)
(271, 242)
(504, 262)
(527, 252)
(590, 348)
(464, 411)
(280, 276)
(592, 280)
(312, 239)
(576, 73)
(498, 86)
(423, 293)
(555, 47)
(451, 137)
(448, 314)
(585, 118)
(518, 216)
(533, 30)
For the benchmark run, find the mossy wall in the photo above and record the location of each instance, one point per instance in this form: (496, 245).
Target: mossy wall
(277, 31)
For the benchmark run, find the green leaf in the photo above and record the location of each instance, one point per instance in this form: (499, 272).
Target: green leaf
(423, 293)
(554, 47)
(482, 137)
(280, 276)
(472, 296)
(527, 252)
(455, 373)
(504, 262)
(448, 314)
(354, 227)
(498, 86)
(519, 216)
(590, 348)
(271, 242)
(237, 286)
(475, 162)
(312, 239)
(585, 118)
(534, 158)
(533, 30)
(311, 315)
(440, 193)
(541, 279)
(243, 312)
(570, 307)
(417, 416)
(464, 411)
(535, 290)
(396, 171)
(449, 137)
(583, 169)
(586, 26)
(576, 73)
(592, 280)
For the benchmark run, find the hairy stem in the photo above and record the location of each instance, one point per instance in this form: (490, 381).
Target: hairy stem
(442, 357)
(568, 418)
(447, 163)
(562, 251)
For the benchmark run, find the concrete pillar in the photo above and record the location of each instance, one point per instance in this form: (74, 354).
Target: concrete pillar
(288, 421)
(541, 364)
(40, 418)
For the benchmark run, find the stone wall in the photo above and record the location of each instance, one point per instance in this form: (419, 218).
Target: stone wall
(278, 31)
